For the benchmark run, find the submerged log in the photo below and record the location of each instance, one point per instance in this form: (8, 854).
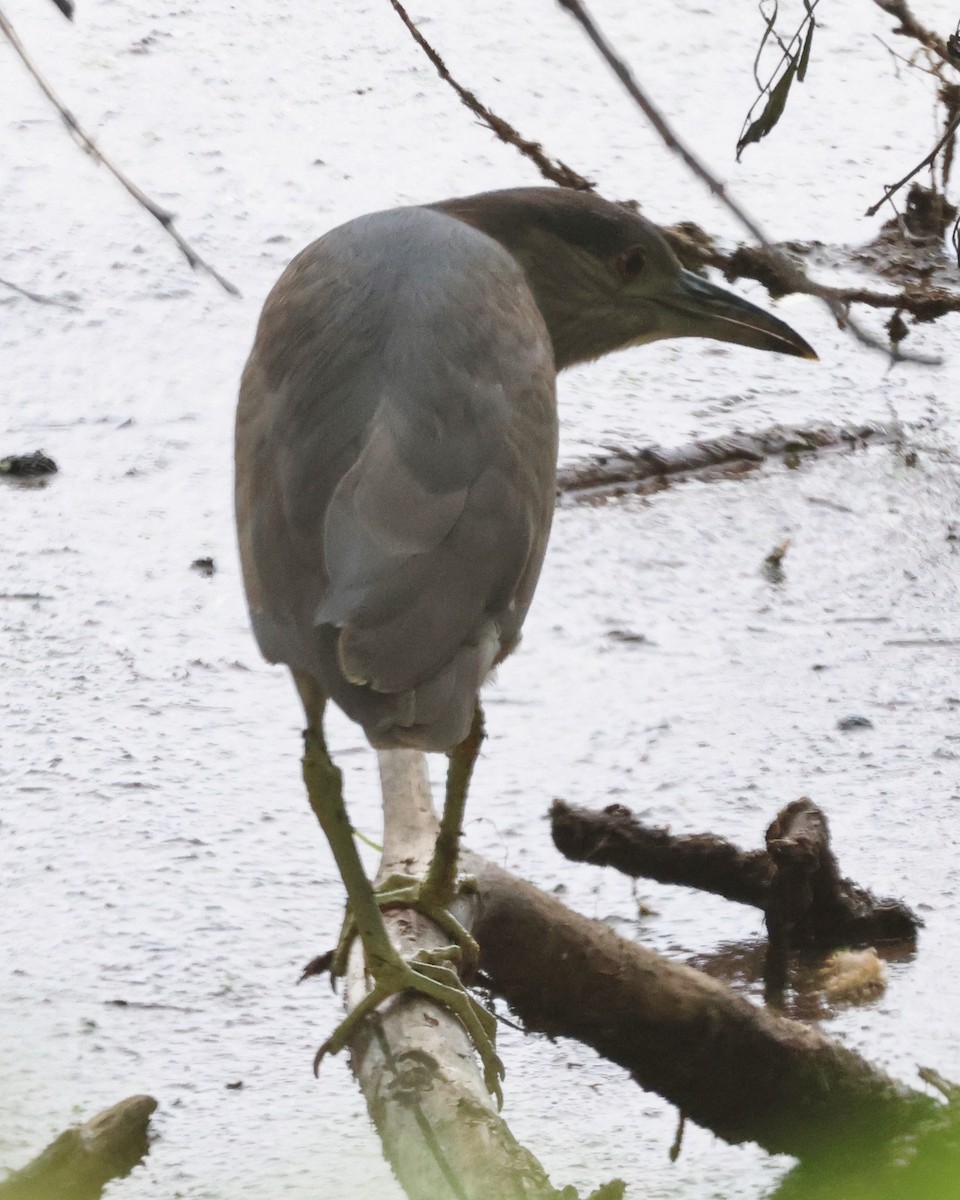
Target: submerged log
(647, 469)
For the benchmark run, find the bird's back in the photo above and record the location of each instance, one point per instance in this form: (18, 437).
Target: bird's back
(396, 450)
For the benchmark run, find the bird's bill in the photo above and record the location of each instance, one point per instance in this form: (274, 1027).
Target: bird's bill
(697, 308)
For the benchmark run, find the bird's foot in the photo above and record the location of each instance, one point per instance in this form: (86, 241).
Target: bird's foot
(406, 891)
(429, 974)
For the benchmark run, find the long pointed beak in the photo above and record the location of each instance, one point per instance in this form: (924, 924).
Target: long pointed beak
(697, 308)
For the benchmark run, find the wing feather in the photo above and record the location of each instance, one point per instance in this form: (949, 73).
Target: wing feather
(396, 458)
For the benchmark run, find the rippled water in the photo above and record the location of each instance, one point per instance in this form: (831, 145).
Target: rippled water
(155, 847)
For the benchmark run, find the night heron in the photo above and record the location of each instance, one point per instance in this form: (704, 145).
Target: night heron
(396, 456)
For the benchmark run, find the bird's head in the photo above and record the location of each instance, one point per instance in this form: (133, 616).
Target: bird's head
(605, 278)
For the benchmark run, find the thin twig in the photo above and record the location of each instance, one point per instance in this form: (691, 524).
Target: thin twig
(37, 298)
(769, 24)
(936, 46)
(950, 96)
(86, 141)
(659, 122)
(933, 641)
(895, 187)
(553, 169)
(949, 1090)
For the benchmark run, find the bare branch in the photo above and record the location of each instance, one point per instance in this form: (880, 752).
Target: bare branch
(911, 27)
(37, 297)
(553, 169)
(826, 910)
(737, 1069)
(951, 129)
(696, 249)
(86, 141)
(671, 140)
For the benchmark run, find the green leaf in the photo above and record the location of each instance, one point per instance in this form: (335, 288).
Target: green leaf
(805, 52)
(772, 110)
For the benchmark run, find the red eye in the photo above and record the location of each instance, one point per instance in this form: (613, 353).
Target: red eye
(630, 263)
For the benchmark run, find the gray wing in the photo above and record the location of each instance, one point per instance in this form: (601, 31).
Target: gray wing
(411, 515)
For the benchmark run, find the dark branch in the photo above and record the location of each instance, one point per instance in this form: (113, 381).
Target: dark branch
(737, 1069)
(796, 880)
(892, 190)
(696, 249)
(614, 838)
(911, 27)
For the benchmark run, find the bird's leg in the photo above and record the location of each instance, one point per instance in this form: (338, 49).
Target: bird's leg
(433, 895)
(439, 887)
(391, 974)
(324, 782)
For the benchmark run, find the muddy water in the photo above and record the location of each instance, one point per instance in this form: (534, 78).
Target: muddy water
(155, 848)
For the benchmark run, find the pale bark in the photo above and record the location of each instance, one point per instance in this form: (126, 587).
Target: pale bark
(739, 1070)
(415, 1063)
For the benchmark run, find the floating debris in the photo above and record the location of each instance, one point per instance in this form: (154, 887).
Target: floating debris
(853, 976)
(854, 722)
(773, 563)
(36, 463)
(629, 637)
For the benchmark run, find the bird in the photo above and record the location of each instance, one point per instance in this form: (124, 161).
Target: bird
(396, 451)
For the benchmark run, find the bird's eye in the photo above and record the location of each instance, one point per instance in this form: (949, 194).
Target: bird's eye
(630, 264)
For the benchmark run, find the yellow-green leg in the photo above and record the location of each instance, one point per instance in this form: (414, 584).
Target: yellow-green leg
(433, 895)
(391, 974)
(440, 885)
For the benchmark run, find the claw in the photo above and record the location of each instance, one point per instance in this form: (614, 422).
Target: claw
(427, 974)
(319, 1056)
(317, 966)
(407, 891)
